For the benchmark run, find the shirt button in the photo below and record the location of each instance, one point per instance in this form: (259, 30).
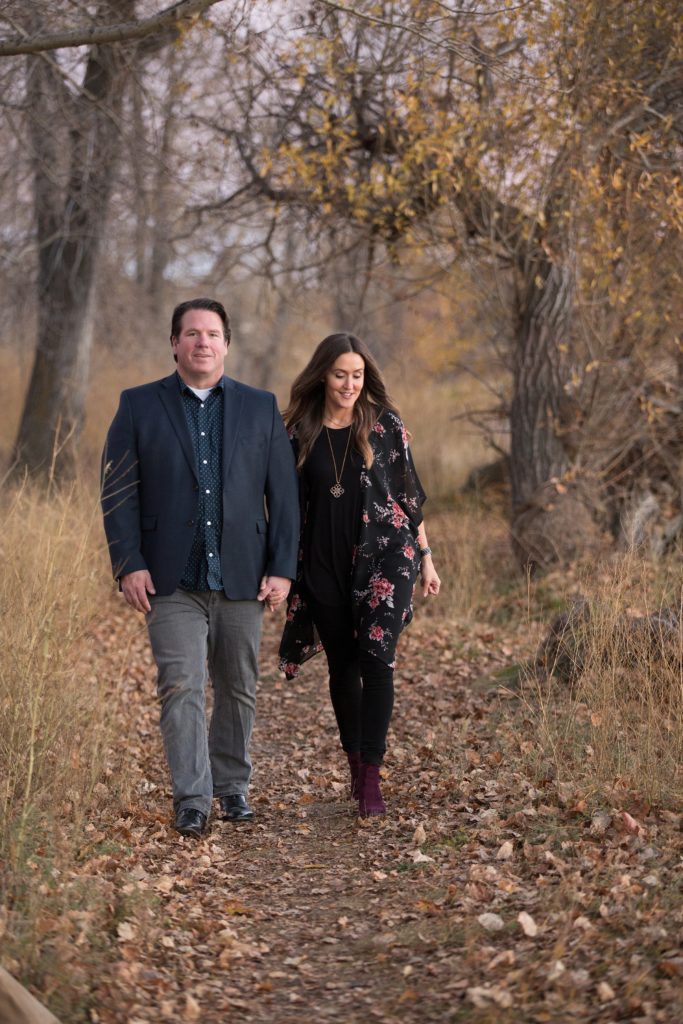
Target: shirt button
(201, 406)
(208, 522)
(210, 554)
(202, 433)
(207, 491)
(204, 461)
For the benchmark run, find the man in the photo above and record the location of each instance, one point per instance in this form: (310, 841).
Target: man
(201, 513)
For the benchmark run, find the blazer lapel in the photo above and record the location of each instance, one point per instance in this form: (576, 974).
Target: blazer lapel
(172, 401)
(233, 400)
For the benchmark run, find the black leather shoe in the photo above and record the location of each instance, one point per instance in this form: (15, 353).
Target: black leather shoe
(190, 822)
(235, 808)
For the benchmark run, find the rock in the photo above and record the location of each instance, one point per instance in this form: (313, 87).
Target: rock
(563, 651)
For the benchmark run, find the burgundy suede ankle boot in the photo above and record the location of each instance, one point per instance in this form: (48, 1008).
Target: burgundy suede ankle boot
(354, 767)
(370, 803)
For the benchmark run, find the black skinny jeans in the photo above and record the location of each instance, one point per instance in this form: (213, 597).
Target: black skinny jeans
(361, 686)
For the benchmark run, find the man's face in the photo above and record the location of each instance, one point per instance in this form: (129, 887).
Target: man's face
(200, 348)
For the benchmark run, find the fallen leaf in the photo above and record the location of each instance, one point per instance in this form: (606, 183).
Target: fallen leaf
(529, 926)
(420, 858)
(506, 958)
(505, 851)
(673, 967)
(556, 971)
(605, 992)
(600, 822)
(410, 995)
(482, 996)
(419, 836)
(630, 824)
(491, 922)
(125, 931)
(192, 1008)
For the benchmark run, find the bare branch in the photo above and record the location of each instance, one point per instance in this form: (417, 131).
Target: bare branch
(91, 36)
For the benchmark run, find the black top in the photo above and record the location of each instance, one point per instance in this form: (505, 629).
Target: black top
(387, 557)
(331, 529)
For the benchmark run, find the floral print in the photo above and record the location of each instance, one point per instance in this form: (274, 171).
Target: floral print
(386, 557)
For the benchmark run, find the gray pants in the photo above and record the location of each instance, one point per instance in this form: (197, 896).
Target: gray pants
(187, 630)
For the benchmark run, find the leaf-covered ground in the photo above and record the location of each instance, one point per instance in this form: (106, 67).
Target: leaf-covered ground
(491, 892)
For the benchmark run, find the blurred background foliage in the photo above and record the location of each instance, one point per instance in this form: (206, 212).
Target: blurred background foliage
(488, 192)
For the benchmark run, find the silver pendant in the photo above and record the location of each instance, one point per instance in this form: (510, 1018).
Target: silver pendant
(336, 490)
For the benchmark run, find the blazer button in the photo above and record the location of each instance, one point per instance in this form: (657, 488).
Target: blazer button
(190, 522)
(196, 487)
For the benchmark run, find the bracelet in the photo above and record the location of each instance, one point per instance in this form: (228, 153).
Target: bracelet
(424, 552)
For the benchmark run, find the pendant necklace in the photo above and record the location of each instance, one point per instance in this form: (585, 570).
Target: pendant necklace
(336, 490)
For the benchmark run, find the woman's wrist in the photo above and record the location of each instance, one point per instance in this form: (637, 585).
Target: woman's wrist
(425, 552)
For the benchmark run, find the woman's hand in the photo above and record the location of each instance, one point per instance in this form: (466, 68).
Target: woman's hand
(273, 591)
(431, 584)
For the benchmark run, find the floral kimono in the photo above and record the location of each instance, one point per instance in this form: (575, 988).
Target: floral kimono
(386, 560)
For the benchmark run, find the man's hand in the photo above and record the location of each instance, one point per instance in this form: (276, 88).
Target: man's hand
(274, 590)
(135, 587)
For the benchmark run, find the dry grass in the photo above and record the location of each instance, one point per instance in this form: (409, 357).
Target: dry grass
(52, 726)
(610, 709)
(473, 557)
(54, 738)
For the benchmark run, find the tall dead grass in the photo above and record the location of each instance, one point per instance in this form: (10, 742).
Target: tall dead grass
(53, 721)
(473, 556)
(609, 707)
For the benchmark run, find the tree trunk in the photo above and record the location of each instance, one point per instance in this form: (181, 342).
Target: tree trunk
(551, 520)
(70, 225)
(537, 452)
(162, 200)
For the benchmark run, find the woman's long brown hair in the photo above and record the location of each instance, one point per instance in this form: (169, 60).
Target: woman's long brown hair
(307, 397)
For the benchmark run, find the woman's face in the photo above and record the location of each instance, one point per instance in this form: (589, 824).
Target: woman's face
(343, 385)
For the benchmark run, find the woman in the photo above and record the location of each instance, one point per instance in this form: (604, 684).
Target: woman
(363, 544)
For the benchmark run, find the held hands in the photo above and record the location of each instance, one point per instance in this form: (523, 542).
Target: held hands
(431, 584)
(273, 591)
(135, 587)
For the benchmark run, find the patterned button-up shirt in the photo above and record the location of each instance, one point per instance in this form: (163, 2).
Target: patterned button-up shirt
(205, 423)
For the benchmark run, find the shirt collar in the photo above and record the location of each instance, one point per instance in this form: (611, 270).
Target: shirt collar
(186, 389)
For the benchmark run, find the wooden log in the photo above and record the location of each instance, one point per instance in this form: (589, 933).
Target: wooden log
(18, 1006)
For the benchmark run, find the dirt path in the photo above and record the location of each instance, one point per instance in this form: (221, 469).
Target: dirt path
(306, 912)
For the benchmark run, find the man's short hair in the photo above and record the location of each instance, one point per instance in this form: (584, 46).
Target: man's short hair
(211, 305)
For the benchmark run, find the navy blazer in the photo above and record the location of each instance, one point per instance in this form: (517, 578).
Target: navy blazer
(150, 488)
